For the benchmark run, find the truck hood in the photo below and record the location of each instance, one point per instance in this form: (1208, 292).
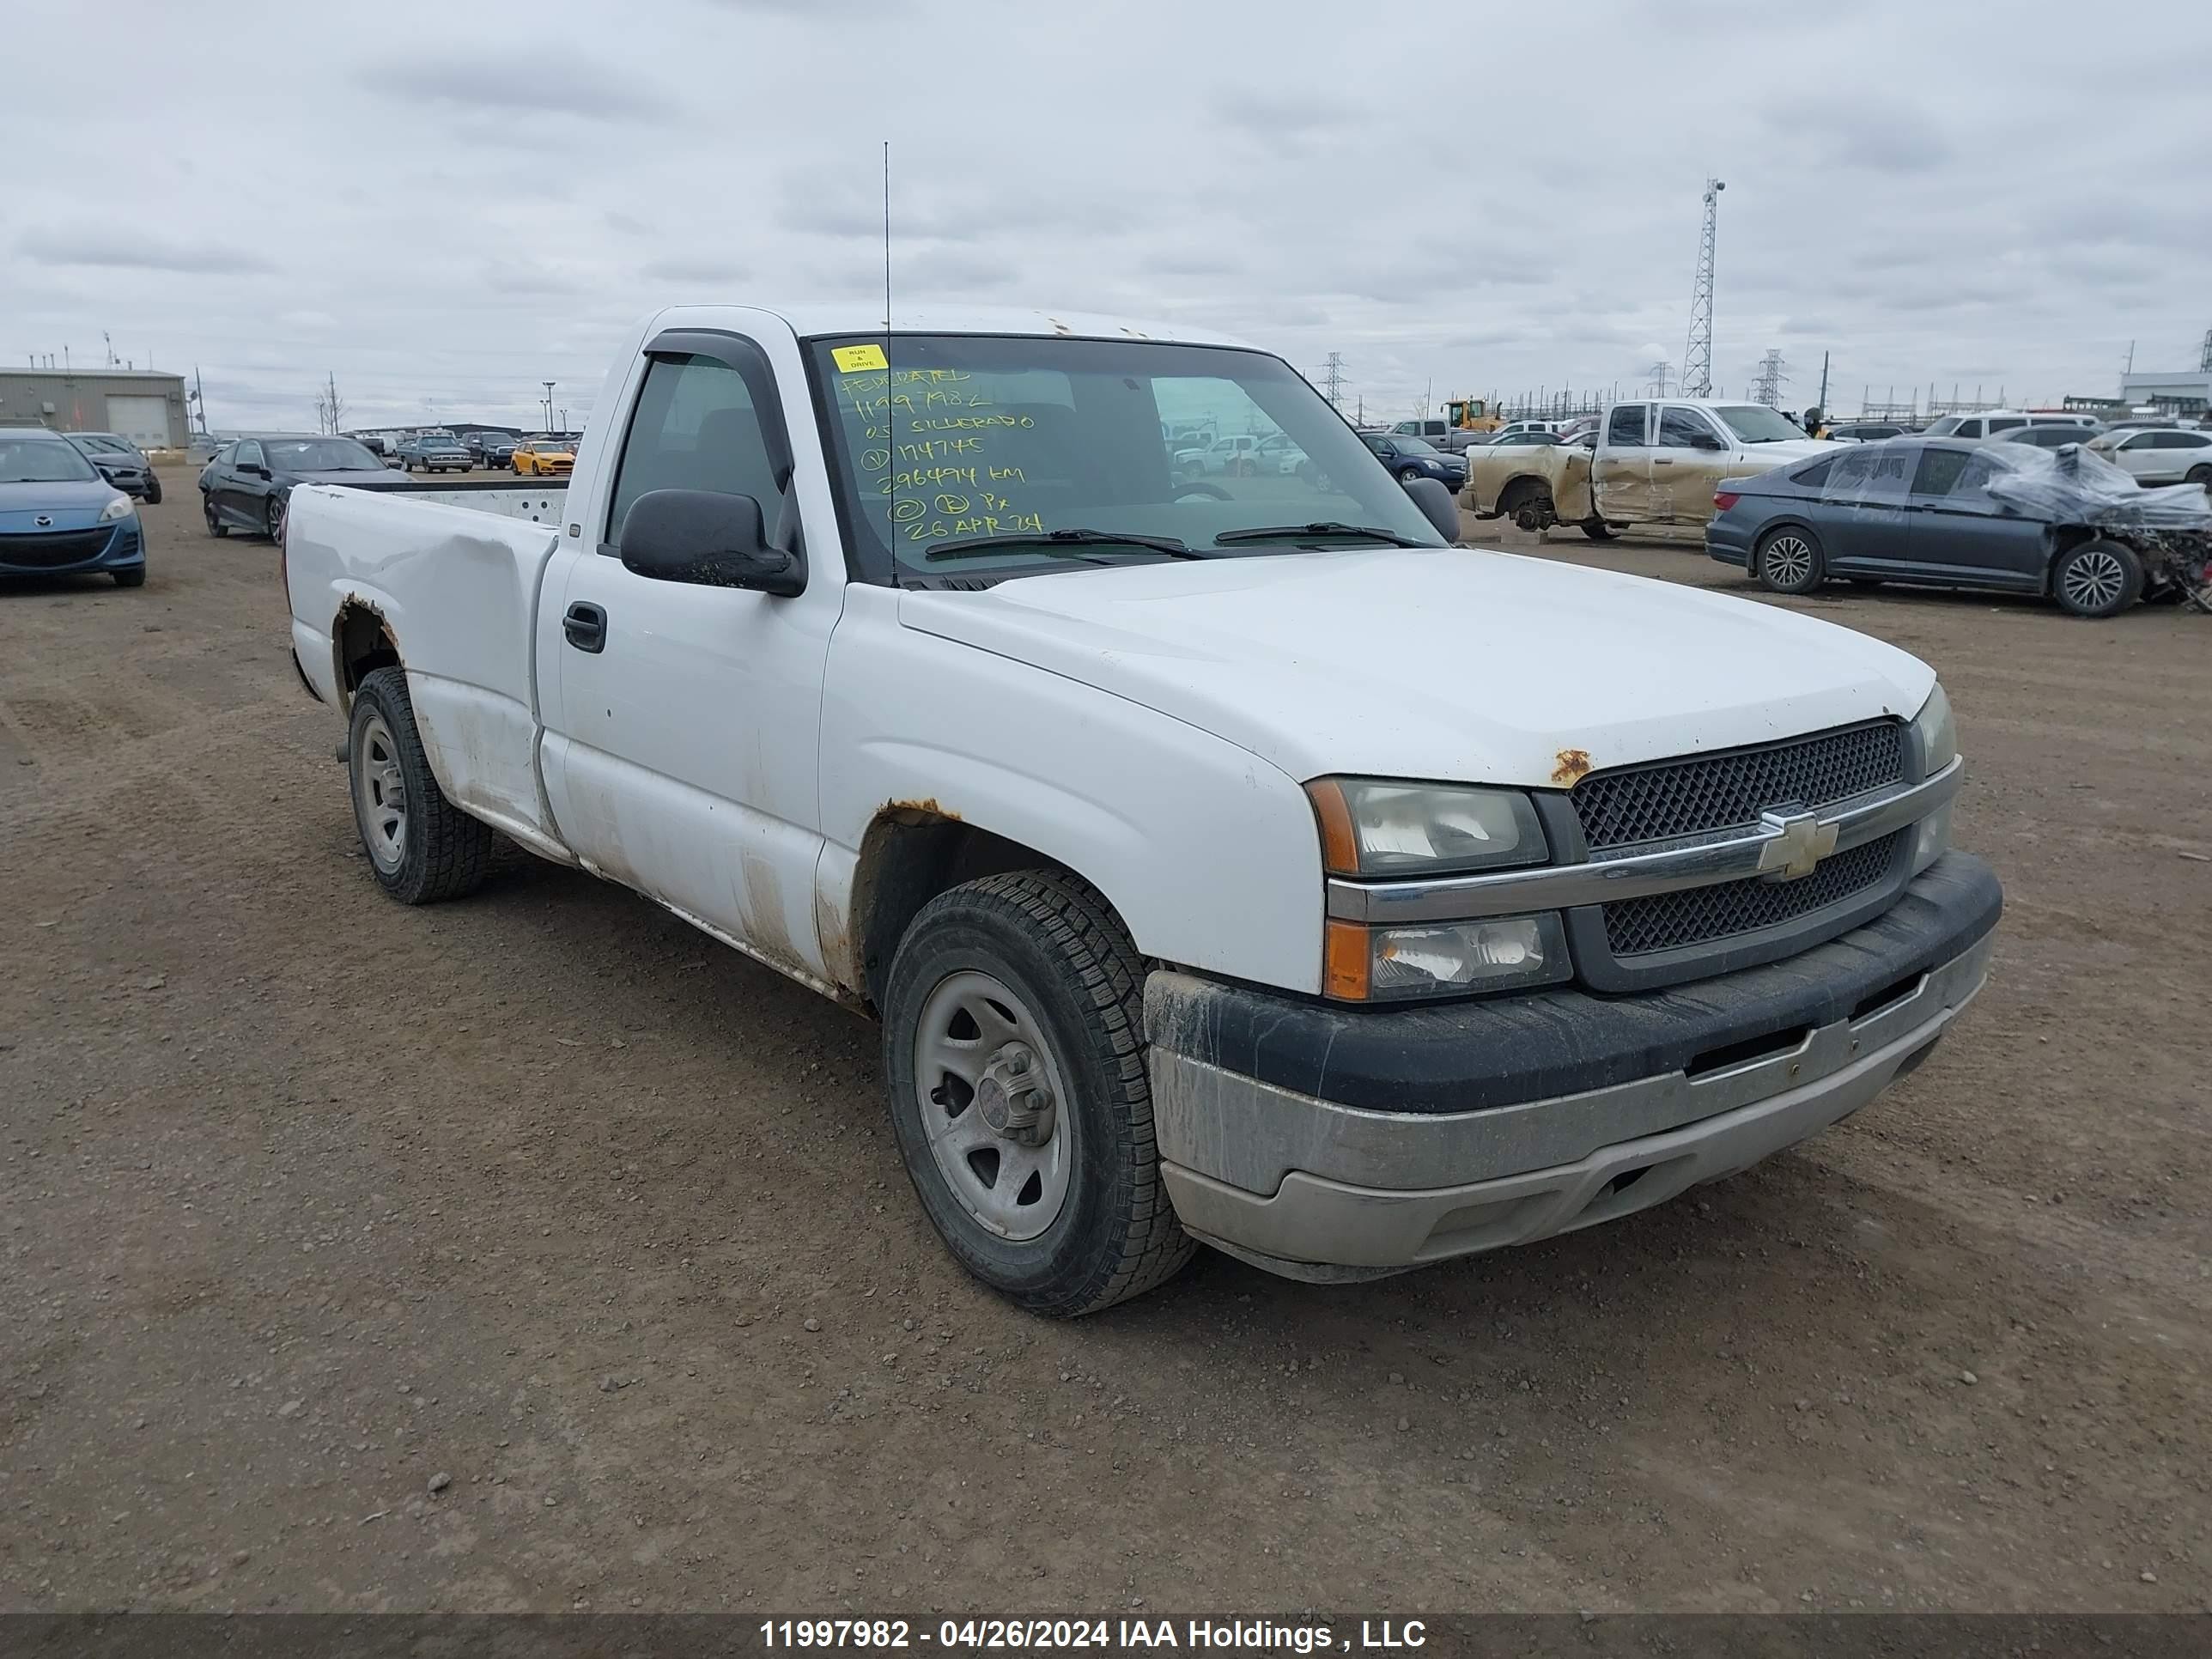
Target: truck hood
(1451, 665)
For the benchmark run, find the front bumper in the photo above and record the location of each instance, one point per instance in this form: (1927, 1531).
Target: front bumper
(74, 552)
(1324, 1143)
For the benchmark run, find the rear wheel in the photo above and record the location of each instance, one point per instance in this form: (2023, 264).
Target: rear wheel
(217, 527)
(1788, 561)
(1013, 1044)
(421, 847)
(2097, 578)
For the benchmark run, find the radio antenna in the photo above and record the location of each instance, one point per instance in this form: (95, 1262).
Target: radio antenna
(891, 414)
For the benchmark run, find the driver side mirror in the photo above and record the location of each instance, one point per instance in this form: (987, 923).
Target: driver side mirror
(253, 470)
(709, 540)
(1438, 506)
(1706, 440)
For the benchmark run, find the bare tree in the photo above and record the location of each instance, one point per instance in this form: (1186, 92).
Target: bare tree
(330, 410)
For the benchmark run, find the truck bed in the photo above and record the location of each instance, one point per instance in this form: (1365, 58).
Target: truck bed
(536, 500)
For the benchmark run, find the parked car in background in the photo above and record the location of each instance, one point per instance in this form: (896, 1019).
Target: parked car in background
(1991, 423)
(122, 462)
(1442, 434)
(488, 449)
(1410, 459)
(2045, 437)
(1862, 432)
(434, 451)
(1954, 512)
(249, 483)
(378, 444)
(59, 516)
(1655, 461)
(1523, 438)
(544, 456)
(2159, 455)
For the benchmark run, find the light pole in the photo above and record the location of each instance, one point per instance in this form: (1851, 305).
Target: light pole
(549, 386)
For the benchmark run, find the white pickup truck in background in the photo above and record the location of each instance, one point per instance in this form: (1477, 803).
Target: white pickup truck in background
(1654, 461)
(1230, 858)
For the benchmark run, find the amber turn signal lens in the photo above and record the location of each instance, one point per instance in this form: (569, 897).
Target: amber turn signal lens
(1340, 851)
(1348, 962)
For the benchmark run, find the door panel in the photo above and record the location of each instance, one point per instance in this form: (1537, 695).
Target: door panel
(1866, 520)
(1959, 534)
(1621, 469)
(683, 748)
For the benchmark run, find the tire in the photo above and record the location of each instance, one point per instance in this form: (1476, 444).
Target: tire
(217, 527)
(427, 849)
(2097, 578)
(1598, 530)
(1045, 962)
(2197, 474)
(1789, 560)
(272, 519)
(152, 490)
(1410, 475)
(130, 578)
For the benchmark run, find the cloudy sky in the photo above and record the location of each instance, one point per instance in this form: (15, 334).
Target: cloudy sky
(1478, 197)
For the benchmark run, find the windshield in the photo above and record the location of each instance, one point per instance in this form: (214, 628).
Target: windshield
(960, 436)
(1755, 424)
(1944, 427)
(42, 460)
(318, 455)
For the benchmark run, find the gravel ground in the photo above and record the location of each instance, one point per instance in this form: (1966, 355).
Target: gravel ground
(535, 1253)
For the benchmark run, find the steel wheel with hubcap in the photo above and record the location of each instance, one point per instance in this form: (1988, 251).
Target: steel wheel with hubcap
(989, 1094)
(380, 794)
(1013, 1046)
(1789, 560)
(2097, 578)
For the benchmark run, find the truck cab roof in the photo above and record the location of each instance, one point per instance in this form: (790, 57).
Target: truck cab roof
(823, 318)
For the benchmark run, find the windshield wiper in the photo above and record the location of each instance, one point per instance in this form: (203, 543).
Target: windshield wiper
(972, 547)
(1287, 532)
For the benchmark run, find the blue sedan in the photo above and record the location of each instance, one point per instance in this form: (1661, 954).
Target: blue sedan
(1409, 458)
(59, 517)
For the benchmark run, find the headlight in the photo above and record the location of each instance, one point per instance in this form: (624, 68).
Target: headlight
(1938, 736)
(1937, 731)
(1373, 828)
(1444, 958)
(120, 508)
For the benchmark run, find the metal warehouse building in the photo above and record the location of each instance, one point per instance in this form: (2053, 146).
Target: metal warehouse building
(142, 404)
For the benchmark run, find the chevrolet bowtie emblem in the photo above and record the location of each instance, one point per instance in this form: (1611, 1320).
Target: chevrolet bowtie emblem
(1800, 843)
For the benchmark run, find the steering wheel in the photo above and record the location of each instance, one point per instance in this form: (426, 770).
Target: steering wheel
(1204, 488)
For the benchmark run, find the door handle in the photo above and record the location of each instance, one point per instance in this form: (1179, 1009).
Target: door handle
(585, 625)
(1663, 460)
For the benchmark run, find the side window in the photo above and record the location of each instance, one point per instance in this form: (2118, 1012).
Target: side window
(2142, 441)
(1941, 470)
(1680, 428)
(1624, 426)
(2006, 426)
(247, 455)
(1815, 475)
(1967, 429)
(694, 428)
(1849, 475)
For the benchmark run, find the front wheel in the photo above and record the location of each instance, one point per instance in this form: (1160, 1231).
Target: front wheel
(272, 517)
(152, 490)
(1013, 1044)
(2200, 476)
(421, 847)
(135, 577)
(1409, 475)
(1598, 530)
(2097, 578)
(1789, 562)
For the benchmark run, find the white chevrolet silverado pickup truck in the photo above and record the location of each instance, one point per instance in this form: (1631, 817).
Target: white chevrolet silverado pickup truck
(1234, 860)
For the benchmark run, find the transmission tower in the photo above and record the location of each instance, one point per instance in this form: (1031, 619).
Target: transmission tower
(1767, 389)
(1333, 378)
(1662, 376)
(2204, 355)
(1698, 356)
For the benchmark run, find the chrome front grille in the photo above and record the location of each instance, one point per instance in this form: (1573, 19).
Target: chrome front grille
(1719, 792)
(1709, 915)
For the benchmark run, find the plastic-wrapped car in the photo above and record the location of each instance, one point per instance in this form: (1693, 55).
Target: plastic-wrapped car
(1956, 513)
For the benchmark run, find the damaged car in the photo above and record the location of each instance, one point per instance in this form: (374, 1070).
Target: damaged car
(2063, 524)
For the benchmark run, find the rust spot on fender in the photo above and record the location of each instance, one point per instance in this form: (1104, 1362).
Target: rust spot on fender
(1573, 764)
(927, 807)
